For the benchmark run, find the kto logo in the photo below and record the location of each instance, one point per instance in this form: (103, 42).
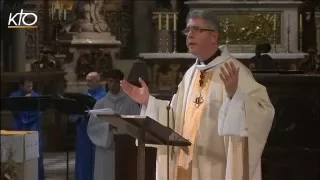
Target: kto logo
(22, 20)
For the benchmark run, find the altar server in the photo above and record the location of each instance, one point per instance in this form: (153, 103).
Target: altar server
(29, 120)
(99, 130)
(218, 107)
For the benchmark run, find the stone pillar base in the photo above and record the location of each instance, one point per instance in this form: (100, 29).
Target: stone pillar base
(87, 52)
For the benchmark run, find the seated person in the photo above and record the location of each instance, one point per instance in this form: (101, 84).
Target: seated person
(312, 62)
(99, 131)
(29, 120)
(263, 61)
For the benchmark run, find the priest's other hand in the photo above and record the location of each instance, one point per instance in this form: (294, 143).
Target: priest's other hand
(140, 95)
(230, 77)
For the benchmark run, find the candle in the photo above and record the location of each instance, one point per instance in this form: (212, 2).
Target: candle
(64, 14)
(274, 22)
(174, 21)
(159, 21)
(300, 23)
(167, 21)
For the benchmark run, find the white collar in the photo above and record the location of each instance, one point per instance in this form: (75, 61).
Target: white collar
(225, 54)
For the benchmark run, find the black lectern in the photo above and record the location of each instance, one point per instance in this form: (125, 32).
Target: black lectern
(81, 98)
(26, 103)
(68, 107)
(146, 131)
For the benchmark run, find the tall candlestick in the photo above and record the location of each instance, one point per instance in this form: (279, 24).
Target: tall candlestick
(174, 21)
(288, 34)
(59, 12)
(159, 29)
(167, 21)
(167, 28)
(37, 44)
(300, 32)
(52, 11)
(274, 33)
(274, 22)
(159, 21)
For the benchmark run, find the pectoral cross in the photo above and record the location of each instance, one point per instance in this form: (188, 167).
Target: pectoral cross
(198, 101)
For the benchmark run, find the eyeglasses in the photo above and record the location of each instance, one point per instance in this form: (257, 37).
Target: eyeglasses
(195, 29)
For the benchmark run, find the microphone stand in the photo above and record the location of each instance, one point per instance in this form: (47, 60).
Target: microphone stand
(168, 125)
(168, 148)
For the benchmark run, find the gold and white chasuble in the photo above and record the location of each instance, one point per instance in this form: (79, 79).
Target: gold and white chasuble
(227, 136)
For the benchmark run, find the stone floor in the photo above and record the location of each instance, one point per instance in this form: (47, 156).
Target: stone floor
(55, 165)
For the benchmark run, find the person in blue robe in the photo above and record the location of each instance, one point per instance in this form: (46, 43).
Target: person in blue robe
(29, 120)
(85, 150)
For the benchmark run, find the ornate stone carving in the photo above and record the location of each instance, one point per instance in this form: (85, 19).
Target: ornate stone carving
(94, 60)
(46, 62)
(89, 17)
(84, 59)
(295, 129)
(89, 40)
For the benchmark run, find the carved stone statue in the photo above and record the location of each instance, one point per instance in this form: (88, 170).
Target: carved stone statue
(89, 17)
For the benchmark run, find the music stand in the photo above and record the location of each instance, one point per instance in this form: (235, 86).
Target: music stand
(25, 103)
(146, 131)
(81, 98)
(69, 106)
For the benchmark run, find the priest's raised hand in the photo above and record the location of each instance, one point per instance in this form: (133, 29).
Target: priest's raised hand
(230, 77)
(140, 95)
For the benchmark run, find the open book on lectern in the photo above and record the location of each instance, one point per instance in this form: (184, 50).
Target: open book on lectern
(155, 133)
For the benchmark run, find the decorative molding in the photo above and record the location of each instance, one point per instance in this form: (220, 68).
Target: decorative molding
(284, 56)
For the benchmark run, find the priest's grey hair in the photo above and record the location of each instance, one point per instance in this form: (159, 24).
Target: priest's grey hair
(207, 15)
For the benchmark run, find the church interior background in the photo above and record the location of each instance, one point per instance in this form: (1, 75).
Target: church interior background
(142, 38)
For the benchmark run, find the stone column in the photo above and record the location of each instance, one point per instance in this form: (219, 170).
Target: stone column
(317, 22)
(18, 50)
(143, 29)
(2, 38)
(1, 52)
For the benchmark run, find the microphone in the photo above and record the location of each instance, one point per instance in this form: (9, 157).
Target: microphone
(168, 119)
(173, 92)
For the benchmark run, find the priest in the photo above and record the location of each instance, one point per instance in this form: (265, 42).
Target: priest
(84, 147)
(218, 107)
(29, 120)
(101, 133)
